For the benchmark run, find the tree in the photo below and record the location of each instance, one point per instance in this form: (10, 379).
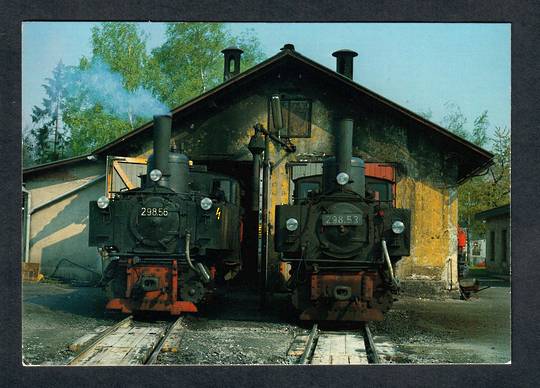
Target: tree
(189, 62)
(27, 147)
(123, 47)
(479, 131)
(115, 89)
(48, 132)
(455, 120)
(98, 108)
(93, 127)
(492, 189)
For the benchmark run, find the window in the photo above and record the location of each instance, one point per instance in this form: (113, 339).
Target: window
(296, 118)
(305, 187)
(221, 190)
(380, 186)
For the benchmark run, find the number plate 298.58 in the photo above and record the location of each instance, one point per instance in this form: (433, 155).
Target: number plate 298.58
(342, 219)
(153, 212)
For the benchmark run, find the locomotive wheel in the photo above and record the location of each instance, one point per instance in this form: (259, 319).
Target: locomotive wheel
(115, 288)
(192, 291)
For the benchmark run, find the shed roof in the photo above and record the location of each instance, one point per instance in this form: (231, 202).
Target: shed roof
(497, 211)
(478, 160)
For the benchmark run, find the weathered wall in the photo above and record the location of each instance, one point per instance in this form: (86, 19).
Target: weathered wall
(60, 231)
(497, 234)
(434, 232)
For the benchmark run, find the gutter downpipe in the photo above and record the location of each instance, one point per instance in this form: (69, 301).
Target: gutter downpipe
(27, 226)
(265, 214)
(66, 194)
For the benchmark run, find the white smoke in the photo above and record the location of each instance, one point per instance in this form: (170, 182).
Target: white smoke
(100, 85)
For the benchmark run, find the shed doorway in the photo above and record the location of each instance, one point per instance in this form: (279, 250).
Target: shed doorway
(243, 172)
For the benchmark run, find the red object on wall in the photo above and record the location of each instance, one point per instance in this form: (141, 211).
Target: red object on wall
(462, 239)
(381, 171)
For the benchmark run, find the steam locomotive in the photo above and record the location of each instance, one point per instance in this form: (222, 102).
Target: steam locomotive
(168, 244)
(341, 241)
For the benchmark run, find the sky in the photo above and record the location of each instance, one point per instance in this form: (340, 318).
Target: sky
(421, 66)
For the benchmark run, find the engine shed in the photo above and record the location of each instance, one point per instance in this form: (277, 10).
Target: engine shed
(421, 163)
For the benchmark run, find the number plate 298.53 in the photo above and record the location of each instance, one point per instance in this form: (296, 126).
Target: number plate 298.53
(153, 212)
(342, 219)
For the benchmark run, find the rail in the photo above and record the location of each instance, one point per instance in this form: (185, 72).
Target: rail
(127, 342)
(338, 348)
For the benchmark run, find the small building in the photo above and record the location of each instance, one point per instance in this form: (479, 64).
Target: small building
(424, 162)
(497, 222)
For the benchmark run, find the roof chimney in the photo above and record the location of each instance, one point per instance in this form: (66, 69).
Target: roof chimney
(288, 46)
(231, 62)
(344, 62)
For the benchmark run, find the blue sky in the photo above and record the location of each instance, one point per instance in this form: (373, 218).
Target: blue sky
(420, 66)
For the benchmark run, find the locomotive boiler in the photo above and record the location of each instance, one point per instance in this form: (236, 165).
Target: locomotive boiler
(169, 243)
(342, 241)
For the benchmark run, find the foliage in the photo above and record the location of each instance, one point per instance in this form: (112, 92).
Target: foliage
(428, 114)
(489, 190)
(187, 64)
(492, 189)
(27, 147)
(455, 122)
(48, 135)
(123, 47)
(189, 61)
(93, 127)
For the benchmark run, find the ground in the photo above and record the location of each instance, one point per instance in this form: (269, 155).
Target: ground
(233, 330)
(450, 331)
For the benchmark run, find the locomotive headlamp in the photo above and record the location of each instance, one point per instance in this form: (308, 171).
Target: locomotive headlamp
(291, 224)
(155, 175)
(398, 227)
(103, 202)
(206, 203)
(342, 178)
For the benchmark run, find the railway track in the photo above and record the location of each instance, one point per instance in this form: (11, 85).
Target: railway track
(128, 342)
(336, 347)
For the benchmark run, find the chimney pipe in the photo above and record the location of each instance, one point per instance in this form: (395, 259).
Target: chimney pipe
(288, 46)
(162, 138)
(343, 141)
(231, 62)
(344, 62)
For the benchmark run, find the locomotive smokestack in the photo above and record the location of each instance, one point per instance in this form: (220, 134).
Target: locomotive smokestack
(344, 62)
(231, 62)
(162, 138)
(343, 142)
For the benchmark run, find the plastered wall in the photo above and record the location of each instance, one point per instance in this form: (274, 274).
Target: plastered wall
(59, 231)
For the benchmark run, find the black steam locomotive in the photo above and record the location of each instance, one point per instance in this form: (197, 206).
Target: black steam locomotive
(170, 242)
(342, 241)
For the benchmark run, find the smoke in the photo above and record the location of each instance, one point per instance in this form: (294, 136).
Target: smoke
(100, 85)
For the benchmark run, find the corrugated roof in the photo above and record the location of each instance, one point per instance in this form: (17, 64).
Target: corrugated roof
(484, 156)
